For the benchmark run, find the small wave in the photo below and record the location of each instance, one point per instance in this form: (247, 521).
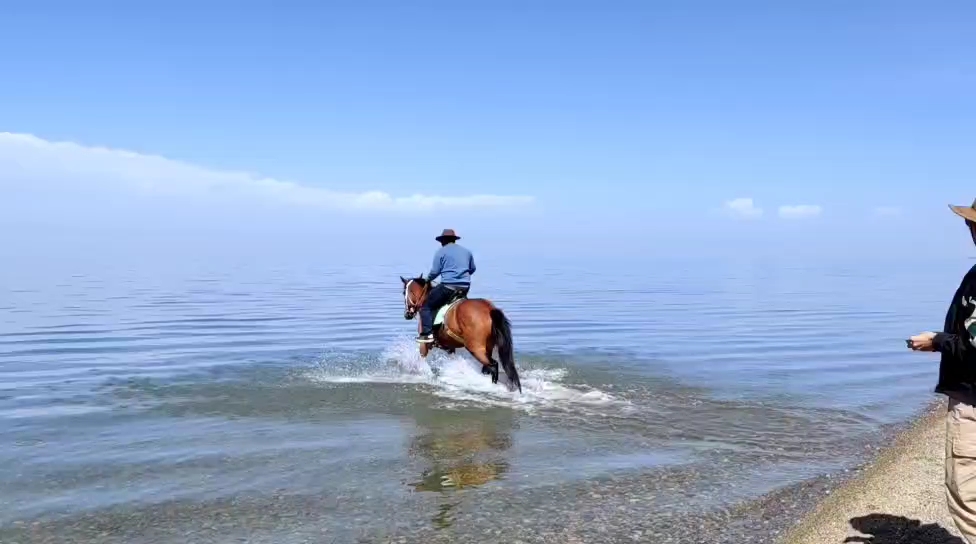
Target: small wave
(458, 378)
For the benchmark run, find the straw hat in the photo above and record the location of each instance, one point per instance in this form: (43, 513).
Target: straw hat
(966, 212)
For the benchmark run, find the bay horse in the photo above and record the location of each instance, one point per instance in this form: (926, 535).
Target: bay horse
(472, 323)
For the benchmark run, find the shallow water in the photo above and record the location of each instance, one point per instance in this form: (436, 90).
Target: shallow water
(149, 399)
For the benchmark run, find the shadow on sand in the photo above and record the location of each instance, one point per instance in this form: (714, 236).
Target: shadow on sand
(888, 529)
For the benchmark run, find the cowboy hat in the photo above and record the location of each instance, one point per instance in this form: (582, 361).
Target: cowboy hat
(966, 212)
(448, 234)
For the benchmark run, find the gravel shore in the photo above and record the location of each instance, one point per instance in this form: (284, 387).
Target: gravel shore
(897, 498)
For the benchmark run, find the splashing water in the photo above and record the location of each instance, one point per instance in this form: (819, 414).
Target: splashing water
(458, 378)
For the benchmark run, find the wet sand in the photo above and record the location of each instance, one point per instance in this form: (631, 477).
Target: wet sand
(896, 498)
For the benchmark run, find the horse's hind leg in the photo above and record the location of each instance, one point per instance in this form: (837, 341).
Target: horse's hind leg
(489, 366)
(494, 370)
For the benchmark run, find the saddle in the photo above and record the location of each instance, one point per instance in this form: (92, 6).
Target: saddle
(440, 318)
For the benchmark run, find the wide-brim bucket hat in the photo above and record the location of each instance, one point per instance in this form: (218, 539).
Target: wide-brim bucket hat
(966, 212)
(448, 234)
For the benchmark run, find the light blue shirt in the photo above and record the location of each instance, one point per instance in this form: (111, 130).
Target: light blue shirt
(454, 264)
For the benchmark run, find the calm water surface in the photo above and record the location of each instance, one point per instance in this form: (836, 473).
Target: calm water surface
(147, 400)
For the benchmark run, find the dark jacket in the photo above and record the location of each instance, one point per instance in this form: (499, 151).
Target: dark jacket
(957, 342)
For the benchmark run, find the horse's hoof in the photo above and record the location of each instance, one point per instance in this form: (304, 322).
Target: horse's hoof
(486, 371)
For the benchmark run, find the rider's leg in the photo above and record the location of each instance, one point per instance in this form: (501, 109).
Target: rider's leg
(437, 297)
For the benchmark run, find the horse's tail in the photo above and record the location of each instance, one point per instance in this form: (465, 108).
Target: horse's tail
(501, 332)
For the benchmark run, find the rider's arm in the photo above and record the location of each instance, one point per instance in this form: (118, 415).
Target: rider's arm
(436, 267)
(471, 266)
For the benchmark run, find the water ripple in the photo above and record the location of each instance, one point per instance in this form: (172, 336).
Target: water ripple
(136, 384)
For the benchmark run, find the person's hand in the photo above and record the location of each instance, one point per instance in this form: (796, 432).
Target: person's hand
(922, 342)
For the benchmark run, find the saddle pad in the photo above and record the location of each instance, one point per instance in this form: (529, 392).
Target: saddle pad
(442, 313)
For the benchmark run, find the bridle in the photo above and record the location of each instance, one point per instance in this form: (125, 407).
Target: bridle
(411, 308)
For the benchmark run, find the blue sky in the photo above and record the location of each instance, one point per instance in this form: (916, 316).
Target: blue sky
(649, 123)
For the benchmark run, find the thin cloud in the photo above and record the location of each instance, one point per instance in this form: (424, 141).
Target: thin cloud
(78, 169)
(743, 208)
(800, 211)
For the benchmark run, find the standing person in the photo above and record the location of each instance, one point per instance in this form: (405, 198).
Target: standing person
(957, 380)
(455, 265)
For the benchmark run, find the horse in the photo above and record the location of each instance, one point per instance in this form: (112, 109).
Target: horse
(475, 324)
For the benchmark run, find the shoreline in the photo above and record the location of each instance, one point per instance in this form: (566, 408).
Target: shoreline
(898, 492)
(818, 510)
(800, 513)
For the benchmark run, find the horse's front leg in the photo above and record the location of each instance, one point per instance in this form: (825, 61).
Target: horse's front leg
(423, 347)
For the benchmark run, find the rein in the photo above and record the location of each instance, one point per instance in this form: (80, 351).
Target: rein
(406, 295)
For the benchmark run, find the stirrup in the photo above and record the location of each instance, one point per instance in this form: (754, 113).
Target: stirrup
(425, 338)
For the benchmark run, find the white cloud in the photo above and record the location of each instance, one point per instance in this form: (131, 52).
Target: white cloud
(887, 211)
(800, 211)
(744, 208)
(48, 169)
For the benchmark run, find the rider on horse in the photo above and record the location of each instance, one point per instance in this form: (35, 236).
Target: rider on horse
(455, 265)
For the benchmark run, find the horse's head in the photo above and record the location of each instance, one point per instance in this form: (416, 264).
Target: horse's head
(414, 295)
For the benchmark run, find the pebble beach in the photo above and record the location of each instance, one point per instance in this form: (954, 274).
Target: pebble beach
(897, 498)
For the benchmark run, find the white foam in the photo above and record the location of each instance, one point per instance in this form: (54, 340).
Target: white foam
(458, 378)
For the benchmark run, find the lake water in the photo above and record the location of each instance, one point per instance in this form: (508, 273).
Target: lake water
(232, 399)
